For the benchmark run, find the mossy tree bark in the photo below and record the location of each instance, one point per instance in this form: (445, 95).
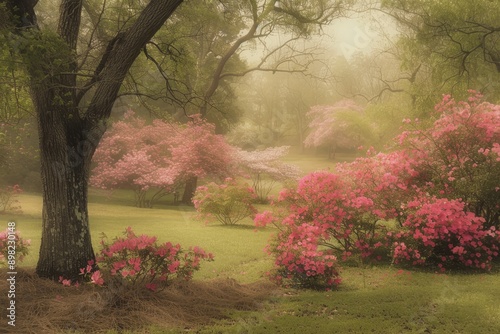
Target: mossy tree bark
(68, 131)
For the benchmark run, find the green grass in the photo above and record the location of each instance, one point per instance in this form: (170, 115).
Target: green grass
(373, 300)
(239, 250)
(389, 301)
(381, 299)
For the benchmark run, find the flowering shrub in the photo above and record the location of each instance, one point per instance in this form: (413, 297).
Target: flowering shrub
(8, 199)
(461, 153)
(227, 203)
(440, 185)
(439, 232)
(318, 222)
(12, 246)
(141, 261)
(330, 213)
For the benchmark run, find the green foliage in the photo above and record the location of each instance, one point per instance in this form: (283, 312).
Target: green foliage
(227, 203)
(9, 199)
(19, 157)
(456, 41)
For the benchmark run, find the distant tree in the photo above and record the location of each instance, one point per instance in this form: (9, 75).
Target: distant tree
(456, 41)
(265, 168)
(157, 159)
(198, 152)
(340, 125)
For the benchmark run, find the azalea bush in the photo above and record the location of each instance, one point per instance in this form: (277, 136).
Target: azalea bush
(227, 203)
(9, 199)
(139, 260)
(13, 248)
(459, 155)
(318, 222)
(432, 201)
(440, 232)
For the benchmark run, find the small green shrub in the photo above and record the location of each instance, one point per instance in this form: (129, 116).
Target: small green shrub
(227, 203)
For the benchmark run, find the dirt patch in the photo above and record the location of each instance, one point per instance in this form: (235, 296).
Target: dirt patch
(43, 306)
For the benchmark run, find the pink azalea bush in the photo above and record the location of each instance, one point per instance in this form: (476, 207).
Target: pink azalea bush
(141, 261)
(8, 240)
(9, 199)
(319, 221)
(459, 156)
(227, 203)
(433, 201)
(441, 232)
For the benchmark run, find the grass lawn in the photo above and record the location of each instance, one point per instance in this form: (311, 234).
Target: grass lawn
(371, 300)
(230, 295)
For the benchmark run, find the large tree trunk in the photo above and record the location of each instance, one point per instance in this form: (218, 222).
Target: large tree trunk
(66, 244)
(189, 189)
(69, 133)
(66, 149)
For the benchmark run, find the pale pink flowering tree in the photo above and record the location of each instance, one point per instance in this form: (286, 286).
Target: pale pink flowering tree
(265, 168)
(157, 159)
(198, 152)
(133, 155)
(336, 126)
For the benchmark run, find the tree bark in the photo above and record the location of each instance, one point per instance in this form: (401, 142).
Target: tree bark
(66, 148)
(189, 189)
(68, 133)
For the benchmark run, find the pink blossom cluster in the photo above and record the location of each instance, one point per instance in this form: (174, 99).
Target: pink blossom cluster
(160, 156)
(440, 187)
(140, 260)
(460, 154)
(442, 232)
(89, 275)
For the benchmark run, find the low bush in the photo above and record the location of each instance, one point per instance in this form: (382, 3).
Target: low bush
(227, 203)
(141, 261)
(13, 248)
(9, 199)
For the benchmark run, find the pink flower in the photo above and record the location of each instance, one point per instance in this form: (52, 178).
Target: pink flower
(65, 282)
(96, 278)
